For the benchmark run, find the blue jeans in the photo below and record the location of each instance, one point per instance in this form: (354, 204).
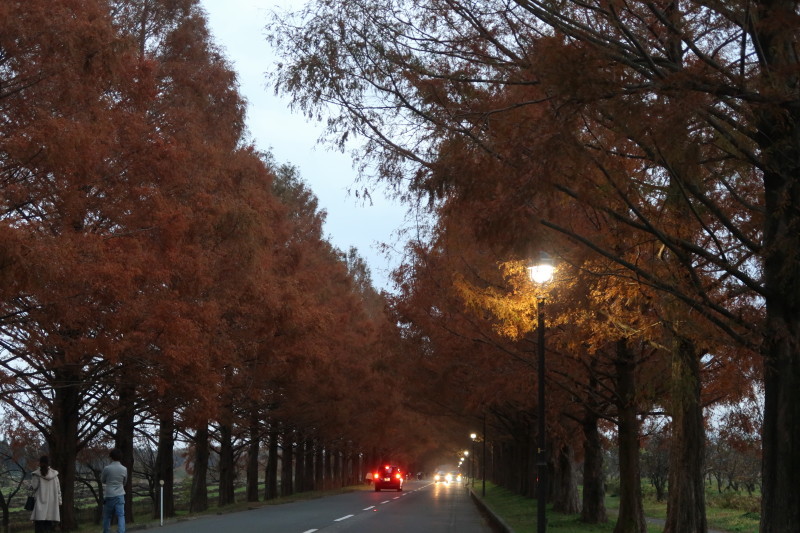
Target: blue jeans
(114, 505)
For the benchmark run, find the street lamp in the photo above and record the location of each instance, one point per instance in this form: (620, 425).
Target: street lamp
(540, 273)
(472, 436)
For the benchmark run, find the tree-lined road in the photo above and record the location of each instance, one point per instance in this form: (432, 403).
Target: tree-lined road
(421, 506)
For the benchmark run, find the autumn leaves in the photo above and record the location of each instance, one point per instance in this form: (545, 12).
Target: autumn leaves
(157, 271)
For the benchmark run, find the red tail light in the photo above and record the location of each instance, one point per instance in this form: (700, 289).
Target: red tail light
(376, 475)
(397, 475)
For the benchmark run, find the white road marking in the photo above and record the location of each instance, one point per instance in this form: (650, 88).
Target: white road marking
(343, 518)
(310, 530)
(368, 508)
(387, 501)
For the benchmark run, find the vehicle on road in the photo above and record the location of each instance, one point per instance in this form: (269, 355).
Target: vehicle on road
(388, 477)
(447, 477)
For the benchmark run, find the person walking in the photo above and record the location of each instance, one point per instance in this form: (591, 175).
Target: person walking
(47, 491)
(113, 478)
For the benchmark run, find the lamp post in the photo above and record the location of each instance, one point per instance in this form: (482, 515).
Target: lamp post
(540, 273)
(472, 436)
(483, 460)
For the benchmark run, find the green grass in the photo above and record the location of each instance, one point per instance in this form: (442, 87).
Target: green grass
(519, 513)
(734, 512)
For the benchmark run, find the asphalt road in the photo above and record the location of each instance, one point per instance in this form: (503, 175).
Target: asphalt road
(422, 507)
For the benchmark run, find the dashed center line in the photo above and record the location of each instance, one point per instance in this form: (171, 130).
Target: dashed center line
(365, 509)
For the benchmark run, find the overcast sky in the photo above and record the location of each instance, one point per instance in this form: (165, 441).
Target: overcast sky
(238, 28)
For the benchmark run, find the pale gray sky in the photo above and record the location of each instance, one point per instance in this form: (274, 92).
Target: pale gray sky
(238, 28)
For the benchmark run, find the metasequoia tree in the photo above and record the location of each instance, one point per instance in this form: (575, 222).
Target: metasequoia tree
(465, 365)
(79, 193)
(147, 260)
(201, 158)
(109, 169)
(599, 340)
(719, 79)
(331, 328)
(606, 292)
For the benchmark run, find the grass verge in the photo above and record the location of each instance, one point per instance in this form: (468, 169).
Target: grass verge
(519, 514)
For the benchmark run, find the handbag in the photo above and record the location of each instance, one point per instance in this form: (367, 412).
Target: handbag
(30, 503)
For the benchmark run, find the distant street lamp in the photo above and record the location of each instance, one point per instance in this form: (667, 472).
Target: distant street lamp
(540, 273)
(472, 436)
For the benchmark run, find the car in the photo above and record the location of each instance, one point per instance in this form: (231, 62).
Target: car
(447, 477)
(388, 477)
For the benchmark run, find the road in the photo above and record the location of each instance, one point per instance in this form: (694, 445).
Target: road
(422, 506)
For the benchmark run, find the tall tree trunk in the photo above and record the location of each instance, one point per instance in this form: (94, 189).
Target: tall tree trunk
(300, 463)
(565, 483)
(253, 449)
(337, 468)
(500, 451)
(594, 507)
(631, 512)
(328, 467)
(198, 500)
(352, 468)
(780, 143)
(123, 440)
(319, 465)
(227, 467)
(271, 474)
(62, 440)
(309, 461)
(165, 462)
(686, 500)
(686, 506)
(523, 453)
(780, 501)
(287, 463)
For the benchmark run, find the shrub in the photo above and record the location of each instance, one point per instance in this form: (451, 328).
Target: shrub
(735, 500)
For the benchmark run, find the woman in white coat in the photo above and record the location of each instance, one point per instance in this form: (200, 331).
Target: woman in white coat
(47, 490)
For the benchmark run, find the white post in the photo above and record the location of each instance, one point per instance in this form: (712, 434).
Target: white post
(161, 482)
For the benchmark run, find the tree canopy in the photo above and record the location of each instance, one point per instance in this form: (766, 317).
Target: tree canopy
(659, 137)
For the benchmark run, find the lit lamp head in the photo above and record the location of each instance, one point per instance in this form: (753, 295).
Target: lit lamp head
(473, 436)
(541, 271)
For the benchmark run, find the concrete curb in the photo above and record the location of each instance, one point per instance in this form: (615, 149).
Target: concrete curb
(497, 523)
